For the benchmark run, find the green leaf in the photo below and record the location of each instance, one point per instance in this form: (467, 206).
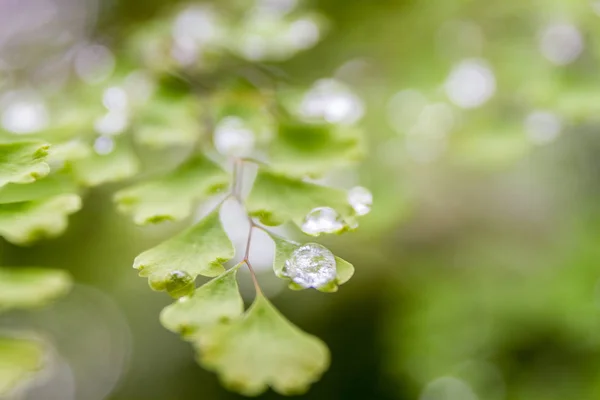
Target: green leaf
(27, 287)
(23, 162)
(264, 349)
(174, 264)
(217, 301)
(172, 196)
(97, 169)
(283, 252)
(303, 149)
(28, 221)
(19, 359)
(276, 199)
(52, 185)
(169, 121)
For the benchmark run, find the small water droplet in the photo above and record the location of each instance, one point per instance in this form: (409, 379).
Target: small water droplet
(322, 220)
(233, 138)
(311, 266)
(179, 284)
(104, 145)
(360, 199)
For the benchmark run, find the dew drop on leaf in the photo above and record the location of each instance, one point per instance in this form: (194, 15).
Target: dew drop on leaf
(233, 138)
(311, 266)
(360, 199)
(322, 220)
(179, 284)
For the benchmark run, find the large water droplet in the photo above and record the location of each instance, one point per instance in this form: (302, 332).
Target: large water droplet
(311, 266)
(179, 284)
(322, 220)
(360, 199)
(233, 138)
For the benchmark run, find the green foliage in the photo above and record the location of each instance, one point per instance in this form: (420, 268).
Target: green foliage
(304, 149)
(264, 349)
(97, 169)
(174, 264)
(172, 196)
(29, 287)
(28, 221)
(23, 162)
(19, 360)
(214, 303)
(186, 110)
(294, 200)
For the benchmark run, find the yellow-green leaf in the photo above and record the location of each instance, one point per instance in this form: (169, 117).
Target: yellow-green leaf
(28, 221)
(263, 349)
(27, 287)
(119, 164)
(19, 360)
(276, 199)
(23, 162)
(303, 149)
(217, 301)
(172, 196)
(173, 265)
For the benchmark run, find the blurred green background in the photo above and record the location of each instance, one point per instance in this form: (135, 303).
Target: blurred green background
(477, 271)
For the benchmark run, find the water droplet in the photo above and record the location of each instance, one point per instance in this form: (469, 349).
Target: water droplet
(360, 199)
(332, 101)
(561, 44)
(104, 145)
(542, 127)
(233, 138)
(470, 84)
(179, 284)
(94, 63)
(311, 266)
(322, 220)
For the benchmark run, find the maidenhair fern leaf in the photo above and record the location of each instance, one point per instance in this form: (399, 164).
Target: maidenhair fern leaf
(23, 162)
(171, 196)
(26, 287)
(303, 149)
(276, 199)
(173, 265)
(217, 301)
(264, 349)
(27, 221)
(19, 359)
